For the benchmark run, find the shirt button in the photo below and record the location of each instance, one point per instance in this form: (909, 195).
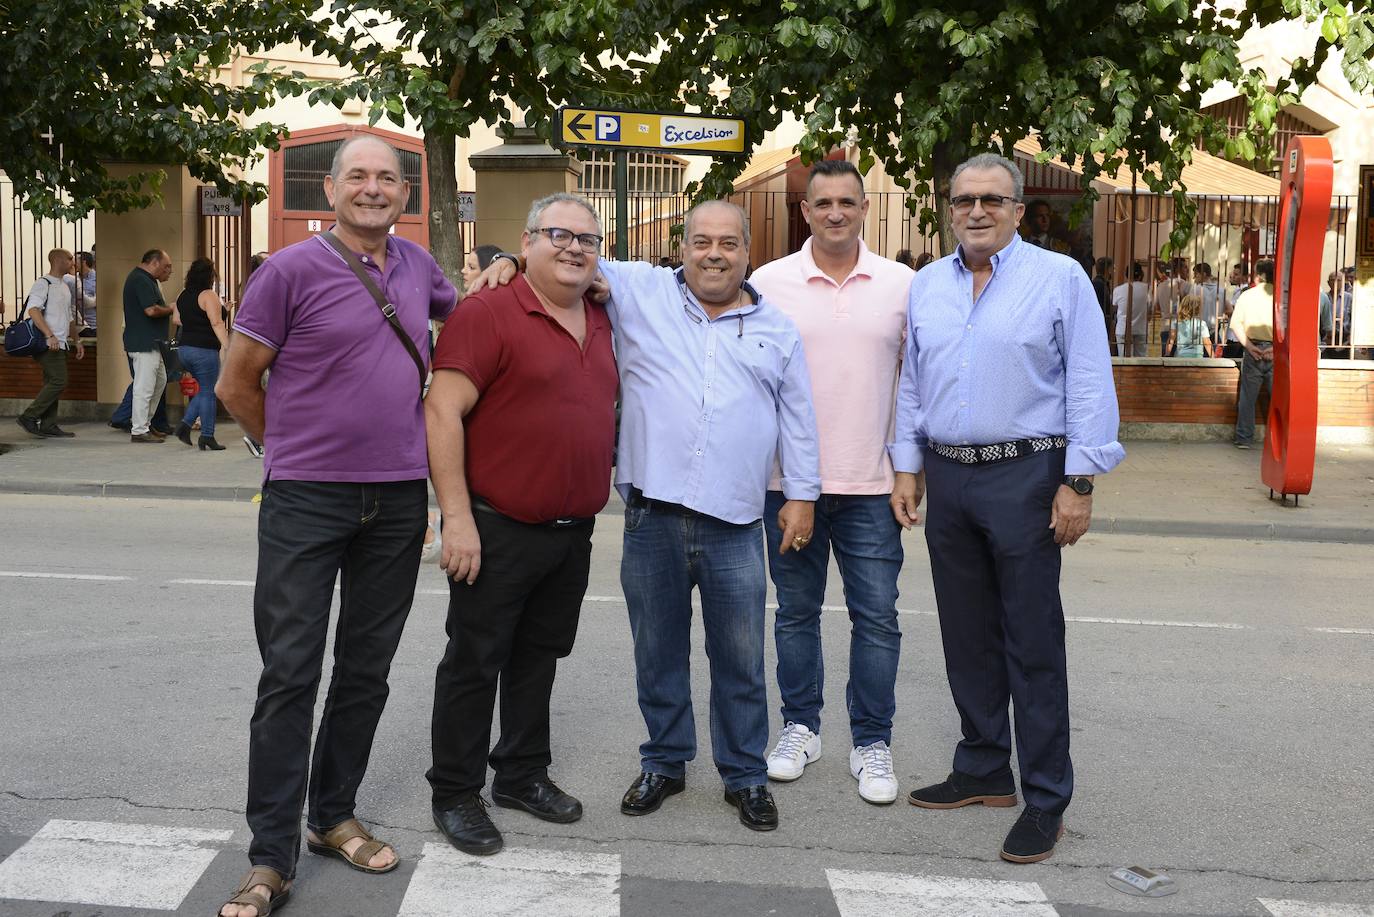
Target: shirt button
(698, 452)
(968, 327)
(963, 404)
(710, 353)
(965, 363)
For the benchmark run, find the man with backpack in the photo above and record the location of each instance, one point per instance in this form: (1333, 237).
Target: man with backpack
(49, 305)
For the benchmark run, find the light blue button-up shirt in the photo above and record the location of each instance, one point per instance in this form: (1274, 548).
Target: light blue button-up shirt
(708, 405)
(1029, 359)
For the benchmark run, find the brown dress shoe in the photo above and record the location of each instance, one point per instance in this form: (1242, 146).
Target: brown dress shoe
(149, 437)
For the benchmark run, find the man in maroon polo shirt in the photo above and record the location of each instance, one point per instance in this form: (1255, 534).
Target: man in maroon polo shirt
(521, 426)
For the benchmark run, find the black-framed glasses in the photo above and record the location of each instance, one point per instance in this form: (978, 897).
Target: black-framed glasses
(991, 202)
(589, 242)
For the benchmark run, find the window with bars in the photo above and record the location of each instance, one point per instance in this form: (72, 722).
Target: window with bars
(305, 166)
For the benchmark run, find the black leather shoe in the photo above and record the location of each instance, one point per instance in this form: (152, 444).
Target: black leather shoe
(184, 433)
(964, 790)
(209, 442)
(468, 827)
(1033, 837)
(164, 431)
(648, 791)
(126, 426)
(542, 799)
(756, 809)
(28, 424)
(55, 431)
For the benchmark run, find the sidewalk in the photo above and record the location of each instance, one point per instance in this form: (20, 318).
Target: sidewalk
(1188, 489)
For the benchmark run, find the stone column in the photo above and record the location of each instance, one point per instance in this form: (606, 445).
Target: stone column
(121, 240)
(511, 176)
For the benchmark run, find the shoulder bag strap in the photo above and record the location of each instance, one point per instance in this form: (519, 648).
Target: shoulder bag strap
(388, 310)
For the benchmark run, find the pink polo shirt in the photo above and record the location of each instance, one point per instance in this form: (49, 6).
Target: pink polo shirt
(853, 334)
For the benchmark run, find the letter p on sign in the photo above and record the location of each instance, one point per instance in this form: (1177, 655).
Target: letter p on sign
(607, 127)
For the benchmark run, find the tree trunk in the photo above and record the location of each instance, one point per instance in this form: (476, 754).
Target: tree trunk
(942, 167)
(445, 236)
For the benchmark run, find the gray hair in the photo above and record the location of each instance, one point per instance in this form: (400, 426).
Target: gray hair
(336, 167)
(559, 197)
(739, 212)
(992, 161)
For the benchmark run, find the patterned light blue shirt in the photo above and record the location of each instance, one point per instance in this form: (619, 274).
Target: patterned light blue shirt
(708, 405)
(1028, 360)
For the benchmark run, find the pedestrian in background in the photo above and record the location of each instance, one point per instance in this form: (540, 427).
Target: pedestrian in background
(145, 328)
(343, 499)
(1252, 322)
(49, 305)
(1005, 412)
(203, 334)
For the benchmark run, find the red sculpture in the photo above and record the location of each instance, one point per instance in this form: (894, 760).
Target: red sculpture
(1290, 442)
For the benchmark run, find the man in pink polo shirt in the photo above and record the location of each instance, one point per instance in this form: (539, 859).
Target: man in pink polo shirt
(850, 307)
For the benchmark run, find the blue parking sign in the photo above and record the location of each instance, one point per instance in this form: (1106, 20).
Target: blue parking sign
(608, 127)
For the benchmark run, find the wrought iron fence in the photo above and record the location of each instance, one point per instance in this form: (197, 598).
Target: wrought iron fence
(25, 241)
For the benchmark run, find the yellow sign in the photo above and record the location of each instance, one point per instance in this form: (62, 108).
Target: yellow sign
(660, 131)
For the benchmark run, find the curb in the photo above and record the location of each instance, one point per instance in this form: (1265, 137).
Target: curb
(1176, 528)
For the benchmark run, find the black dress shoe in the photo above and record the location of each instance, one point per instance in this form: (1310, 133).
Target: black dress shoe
(29, 425)
(648, 791)
(542, 799)
(184, 433)
(468, 827)
(126, 426)
(1033, 837)
(756, 809)
(54, 431)
(960, 789)
(165, 431)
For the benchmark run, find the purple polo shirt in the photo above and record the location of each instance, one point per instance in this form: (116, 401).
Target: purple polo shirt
(343, 396)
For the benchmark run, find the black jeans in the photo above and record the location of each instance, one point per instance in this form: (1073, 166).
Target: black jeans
(512, 625)
(995, 568)
(309, 534)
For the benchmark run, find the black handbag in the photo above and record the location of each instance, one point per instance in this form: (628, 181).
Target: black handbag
(388, 310)
(171, 359)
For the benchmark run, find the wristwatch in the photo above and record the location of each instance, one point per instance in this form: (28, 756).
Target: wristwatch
(513, 259)
(1083, 486)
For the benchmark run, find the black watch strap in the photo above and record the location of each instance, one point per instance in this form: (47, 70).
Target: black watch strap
(513, 259)
(1083, 486)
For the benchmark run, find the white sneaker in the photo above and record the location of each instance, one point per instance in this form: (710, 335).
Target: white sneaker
(871, 765)
(797, 747)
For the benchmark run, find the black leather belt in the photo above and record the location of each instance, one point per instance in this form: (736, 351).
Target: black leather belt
(483, 506)
(998, 452)
(639, 501)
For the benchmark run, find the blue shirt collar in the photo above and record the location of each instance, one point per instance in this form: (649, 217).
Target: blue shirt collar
(1002, 254)
(689, 297)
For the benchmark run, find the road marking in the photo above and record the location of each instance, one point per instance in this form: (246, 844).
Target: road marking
(551, 883)
(1140, 621)
(89, 577)
(1285, 908)
(1364, 631)
(211, 582)
(885, 894)
(97, 863)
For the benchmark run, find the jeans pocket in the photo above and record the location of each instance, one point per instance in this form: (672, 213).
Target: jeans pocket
(634, 517)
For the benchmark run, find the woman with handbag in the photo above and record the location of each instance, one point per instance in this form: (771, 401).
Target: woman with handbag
(202, 316)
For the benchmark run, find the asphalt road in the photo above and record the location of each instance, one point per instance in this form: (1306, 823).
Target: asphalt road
(1221, 693)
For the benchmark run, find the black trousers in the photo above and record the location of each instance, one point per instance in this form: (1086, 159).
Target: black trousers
(510, 627)
(309, 534)
(995, 569)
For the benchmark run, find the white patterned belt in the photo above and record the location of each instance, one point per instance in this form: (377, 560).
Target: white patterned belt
(998, 452)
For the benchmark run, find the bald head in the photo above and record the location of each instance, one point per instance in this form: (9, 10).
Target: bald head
(718, 208)
(336, 168)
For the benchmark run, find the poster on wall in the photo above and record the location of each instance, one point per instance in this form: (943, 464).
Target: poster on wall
(1046, 224)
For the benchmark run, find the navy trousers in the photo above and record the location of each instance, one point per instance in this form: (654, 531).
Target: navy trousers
(995, 568)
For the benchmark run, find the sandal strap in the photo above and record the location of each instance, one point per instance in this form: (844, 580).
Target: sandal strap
(344, 832)
(364, 854)
(260, 875)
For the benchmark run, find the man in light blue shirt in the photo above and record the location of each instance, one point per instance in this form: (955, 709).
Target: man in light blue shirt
(714, 389)
(1005, 411)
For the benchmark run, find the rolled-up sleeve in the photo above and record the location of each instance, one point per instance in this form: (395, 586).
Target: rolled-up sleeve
(909, 434)
(1091, 417)
(798, 441)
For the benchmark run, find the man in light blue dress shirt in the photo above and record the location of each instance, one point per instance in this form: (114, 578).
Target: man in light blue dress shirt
(714, 389)
(1006, 410)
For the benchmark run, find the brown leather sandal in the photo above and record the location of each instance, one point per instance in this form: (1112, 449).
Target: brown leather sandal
(331, 845)
(260, 875)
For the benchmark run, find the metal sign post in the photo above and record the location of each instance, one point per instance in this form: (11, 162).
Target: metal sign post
(660, 132)
(1290, 440)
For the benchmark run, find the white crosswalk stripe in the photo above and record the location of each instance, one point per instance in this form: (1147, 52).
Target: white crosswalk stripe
(85, 862)
(550, 883)
(1286, 908)
(887, 894)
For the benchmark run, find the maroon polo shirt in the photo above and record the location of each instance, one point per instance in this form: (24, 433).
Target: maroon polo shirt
(539, 441)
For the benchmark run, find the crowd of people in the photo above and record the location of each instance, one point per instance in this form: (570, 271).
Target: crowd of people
(755, 438)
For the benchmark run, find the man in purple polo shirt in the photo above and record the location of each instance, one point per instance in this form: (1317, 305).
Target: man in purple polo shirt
(343, 497)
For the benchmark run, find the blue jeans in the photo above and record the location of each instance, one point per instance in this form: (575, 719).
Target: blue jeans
(867, 543)
(666, 554)
(124, 414)
(203, 363)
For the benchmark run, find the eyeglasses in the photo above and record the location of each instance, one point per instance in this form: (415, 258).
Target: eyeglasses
(561, 238)
(991, 202)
